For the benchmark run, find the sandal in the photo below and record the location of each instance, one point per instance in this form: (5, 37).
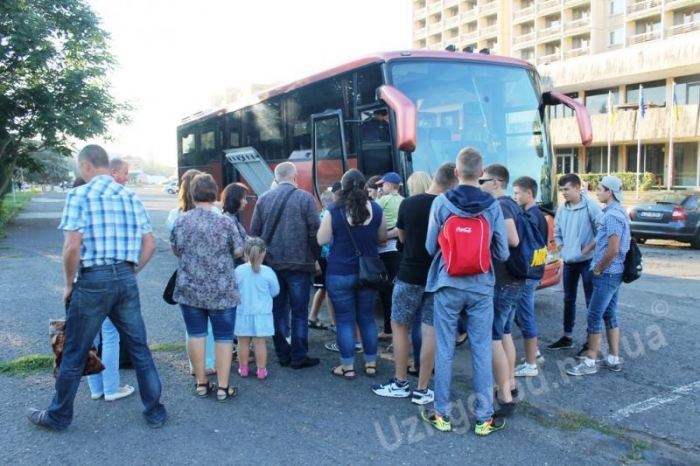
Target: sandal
(371, 371)
(223, 394)
(317, 324)
(202, 390)
(348, 374)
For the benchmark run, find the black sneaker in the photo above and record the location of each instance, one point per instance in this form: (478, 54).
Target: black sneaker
(583, 354)
(506, 409)
(306, 362)
(562, 343)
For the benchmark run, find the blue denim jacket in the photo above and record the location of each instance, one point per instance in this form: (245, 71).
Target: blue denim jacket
(472, 202)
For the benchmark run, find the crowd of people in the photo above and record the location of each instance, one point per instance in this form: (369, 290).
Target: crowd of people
(236, 288)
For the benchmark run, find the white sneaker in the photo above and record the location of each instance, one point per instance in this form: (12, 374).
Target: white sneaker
(524, 371)
(392, 389)
(123, 392)
(96, 396)
(539, 359)
(422, 397)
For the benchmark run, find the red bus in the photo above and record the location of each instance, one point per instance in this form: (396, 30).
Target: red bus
(435, 102)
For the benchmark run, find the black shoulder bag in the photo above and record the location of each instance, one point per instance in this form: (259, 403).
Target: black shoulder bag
(371, 272)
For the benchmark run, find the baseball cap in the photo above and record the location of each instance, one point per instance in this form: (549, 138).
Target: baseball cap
(614, 184)
(391, 177)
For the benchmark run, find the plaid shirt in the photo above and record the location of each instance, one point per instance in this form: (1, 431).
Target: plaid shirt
(111, 218)
(614, 223)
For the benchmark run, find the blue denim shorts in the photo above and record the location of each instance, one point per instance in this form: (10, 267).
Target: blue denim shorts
(603, 305)
(222, 322)
(505, 301)
(408, 299)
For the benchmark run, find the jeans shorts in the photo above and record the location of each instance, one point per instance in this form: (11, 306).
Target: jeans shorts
(222, 322)
(505, 301)
(408, 299)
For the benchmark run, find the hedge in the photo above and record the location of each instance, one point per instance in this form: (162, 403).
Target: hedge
(629, 180)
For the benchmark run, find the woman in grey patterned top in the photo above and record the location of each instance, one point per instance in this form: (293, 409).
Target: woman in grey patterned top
(206, 244)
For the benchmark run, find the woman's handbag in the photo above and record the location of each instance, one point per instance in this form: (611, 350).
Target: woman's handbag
(371, 271)
(170, 289)
(57, 336)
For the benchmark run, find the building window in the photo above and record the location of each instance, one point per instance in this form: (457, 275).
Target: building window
(562, 111)
(649, 25)
(581, 42)
(654, 93)
(616, 7)
(617, 37)
(688, 89)
(597, 100)
(597, 159)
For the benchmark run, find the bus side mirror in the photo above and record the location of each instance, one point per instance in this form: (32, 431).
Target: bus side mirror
(405, 114)
(581, 112)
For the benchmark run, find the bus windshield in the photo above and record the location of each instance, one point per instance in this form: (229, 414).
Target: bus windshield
(494, 108)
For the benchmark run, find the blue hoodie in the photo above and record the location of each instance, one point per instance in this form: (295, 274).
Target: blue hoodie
(465, 201)
(575, 226)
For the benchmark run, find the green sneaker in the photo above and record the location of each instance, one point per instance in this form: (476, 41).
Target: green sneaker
(441, 423)
(492, 425)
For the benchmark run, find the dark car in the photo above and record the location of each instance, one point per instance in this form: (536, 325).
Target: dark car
(671, 215)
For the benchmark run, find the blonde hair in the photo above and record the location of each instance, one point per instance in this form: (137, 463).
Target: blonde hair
(185, 201)
(254, 250)
(418, 183)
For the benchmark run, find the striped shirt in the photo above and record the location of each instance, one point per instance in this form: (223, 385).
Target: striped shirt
(614, 223)
(111, 219)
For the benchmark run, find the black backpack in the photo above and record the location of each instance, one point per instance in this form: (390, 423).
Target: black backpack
(634, 262)
(527, 260)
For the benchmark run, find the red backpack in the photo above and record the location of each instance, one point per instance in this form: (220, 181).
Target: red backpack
(464, 242)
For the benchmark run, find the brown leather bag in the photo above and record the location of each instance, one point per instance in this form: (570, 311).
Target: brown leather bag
(57, 336)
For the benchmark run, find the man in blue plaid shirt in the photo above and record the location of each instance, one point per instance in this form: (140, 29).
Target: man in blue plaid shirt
(108, 239)
(611, 245)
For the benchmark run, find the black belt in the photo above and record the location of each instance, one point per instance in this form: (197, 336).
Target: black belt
(97, 268)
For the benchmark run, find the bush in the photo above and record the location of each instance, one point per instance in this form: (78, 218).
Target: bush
(629, 180)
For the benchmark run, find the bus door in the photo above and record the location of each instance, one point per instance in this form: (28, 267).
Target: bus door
(328, 148)
(375, 153)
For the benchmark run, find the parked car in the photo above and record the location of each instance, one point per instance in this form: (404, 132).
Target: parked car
(669, 215)
(171, 188)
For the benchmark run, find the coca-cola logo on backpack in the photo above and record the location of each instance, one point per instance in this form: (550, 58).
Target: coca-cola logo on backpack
(464, 242)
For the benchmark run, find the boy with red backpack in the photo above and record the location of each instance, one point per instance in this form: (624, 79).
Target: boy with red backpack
(473, 292)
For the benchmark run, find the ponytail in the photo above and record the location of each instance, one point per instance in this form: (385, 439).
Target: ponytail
(254, 250)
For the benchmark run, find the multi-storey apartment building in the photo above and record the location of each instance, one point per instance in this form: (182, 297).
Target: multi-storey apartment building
(591, 50)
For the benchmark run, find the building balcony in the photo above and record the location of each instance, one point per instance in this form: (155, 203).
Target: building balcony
(487, 8)
(524, 40)
(643, 8)
(644, 37)
(683, 28)
(675, 4)
(435, 7)
(488, 31)
(420, 13)
(573, 53)
(419, 33)
(451, 22)
(577, 26)
(525, 14)
(546, 5)
(552, 57)
(434, 28)
(573, 3)
(469, 37)
(467, 16)
(547, 32)
(449, 3)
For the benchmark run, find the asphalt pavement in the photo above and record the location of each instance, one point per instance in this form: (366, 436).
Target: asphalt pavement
(647, 413)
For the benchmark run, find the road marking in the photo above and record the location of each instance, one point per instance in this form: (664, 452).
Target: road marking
(38, 215)
(655, 401)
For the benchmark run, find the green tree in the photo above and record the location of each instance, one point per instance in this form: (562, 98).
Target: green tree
(54, 62)
(49, 168)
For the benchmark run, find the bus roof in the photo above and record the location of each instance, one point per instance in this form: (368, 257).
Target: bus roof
(376, 58)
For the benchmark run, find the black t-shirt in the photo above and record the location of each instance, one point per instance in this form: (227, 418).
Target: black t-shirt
(503, 278)
(414, 213)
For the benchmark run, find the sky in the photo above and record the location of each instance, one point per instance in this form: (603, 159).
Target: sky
(174, 55)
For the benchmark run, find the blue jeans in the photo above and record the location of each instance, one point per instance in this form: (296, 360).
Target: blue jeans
(525, 310)
(449, 302)
(603, 305)
(106, 291)
(505, 301)
(294, 296)
(352, 305)
(198, 321)
(570, 276)
(107, 381)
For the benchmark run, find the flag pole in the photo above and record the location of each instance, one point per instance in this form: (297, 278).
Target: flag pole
(640, 115)
(670, 137)
(609, 127)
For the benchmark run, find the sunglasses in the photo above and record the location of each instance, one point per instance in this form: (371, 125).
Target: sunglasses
(486, 180)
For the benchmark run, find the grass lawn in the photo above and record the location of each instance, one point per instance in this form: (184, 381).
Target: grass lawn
(11, 206)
